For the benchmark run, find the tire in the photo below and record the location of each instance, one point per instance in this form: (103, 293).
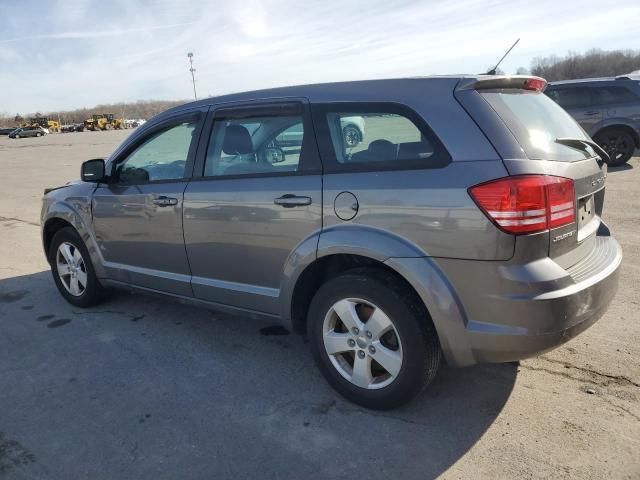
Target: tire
(351, 135)
(92, 292)
(411, 338)
(619, 144)
(17, 135)
(37, 134)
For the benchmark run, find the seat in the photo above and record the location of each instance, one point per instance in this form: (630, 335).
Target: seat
(378, 151)
(237, 141)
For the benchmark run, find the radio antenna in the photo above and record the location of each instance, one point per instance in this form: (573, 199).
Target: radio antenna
(495, 69)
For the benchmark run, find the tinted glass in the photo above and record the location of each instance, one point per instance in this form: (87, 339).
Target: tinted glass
(375, 138)
(163, 156)
(257, 145)
(571, 97)
(536, 121)
(612, 95)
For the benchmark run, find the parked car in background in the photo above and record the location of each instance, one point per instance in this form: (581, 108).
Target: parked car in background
(6, 131)
(465, 225)
(607, 108)
(24, 132)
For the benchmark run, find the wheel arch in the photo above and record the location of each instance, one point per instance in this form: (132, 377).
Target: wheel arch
(613, 125)
(60, 215)
(348, 246)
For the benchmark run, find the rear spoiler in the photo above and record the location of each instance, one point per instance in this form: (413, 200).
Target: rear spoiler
(490, 82)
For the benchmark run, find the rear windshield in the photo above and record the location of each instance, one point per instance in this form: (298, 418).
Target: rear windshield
(536, 121)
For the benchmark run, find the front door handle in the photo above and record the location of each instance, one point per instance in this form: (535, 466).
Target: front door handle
(289, 201)
(165, 201)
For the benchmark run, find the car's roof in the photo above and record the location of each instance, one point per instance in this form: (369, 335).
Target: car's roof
(351, 90)
(598, 80)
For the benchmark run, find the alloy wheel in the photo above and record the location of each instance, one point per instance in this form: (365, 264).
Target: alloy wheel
(71, 269)
(362, 343)
(616, 146)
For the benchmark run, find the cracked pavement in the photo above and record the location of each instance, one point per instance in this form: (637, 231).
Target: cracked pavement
(141, 387)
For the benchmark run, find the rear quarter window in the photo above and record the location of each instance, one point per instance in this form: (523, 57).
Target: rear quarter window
(536, 122)
(366, 136)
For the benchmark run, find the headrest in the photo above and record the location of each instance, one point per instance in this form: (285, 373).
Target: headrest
(237, 141)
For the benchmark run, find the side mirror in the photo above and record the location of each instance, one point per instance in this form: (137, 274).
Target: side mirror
(92, 170)
(274, 155)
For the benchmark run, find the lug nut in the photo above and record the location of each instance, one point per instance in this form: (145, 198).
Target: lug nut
(372, 349)
(361, 353)
(368, 334)
(355, 330)
(352, 342)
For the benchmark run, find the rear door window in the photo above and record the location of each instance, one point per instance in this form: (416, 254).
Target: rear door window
(613, 95)
(536, 121)
(375, 137)
(571, 98)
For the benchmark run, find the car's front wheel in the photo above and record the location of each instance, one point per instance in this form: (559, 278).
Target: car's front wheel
(372, 339)
(72, 269)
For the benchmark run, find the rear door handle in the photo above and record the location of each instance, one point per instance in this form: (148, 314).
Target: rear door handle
(165, 201)
(289, 200)
(591, 113)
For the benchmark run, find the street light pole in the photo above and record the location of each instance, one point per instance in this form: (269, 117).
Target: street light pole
(193, 78)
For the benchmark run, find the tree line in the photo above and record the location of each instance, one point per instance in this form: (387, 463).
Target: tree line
(141, 109)
(593, 63)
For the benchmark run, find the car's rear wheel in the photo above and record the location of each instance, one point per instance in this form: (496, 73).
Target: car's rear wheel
(619, 144)
(372, 339)
(72, 269)
(17, 135)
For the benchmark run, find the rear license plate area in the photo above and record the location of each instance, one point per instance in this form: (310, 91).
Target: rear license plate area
(586, 210)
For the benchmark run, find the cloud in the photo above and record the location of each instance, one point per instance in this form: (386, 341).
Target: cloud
(122, 50)
(91, 34)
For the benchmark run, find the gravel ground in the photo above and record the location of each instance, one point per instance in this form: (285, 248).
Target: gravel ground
(144, 388)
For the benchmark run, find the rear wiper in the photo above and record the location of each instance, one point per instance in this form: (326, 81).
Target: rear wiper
(582, 144)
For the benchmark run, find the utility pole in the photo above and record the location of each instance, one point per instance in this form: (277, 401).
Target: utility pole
(193, 78)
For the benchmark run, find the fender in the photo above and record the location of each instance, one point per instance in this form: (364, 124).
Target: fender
(76, 210)
(402, 256)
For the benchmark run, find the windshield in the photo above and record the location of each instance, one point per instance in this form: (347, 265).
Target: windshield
(536, 121)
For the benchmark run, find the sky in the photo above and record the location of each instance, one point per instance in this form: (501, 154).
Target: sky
(57, 55)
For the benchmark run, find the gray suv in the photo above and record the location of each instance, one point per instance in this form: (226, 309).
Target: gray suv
(607, 108)
(464, 226)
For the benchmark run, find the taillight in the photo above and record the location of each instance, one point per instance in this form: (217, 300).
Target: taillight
(527, 203)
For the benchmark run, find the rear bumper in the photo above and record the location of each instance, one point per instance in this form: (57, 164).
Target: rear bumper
(501, 312)
(552, 318)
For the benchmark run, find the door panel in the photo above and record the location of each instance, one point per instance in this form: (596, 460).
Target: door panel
(138, 216)
(259, 196)
(238, 239)
(141, 241)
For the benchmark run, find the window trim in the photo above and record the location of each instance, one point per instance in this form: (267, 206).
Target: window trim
(309, 165)
(440, 158)
(122, 156)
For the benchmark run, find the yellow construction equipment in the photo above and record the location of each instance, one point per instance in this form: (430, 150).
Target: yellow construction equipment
(43, 122)
(53, 126)
(103, 121)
